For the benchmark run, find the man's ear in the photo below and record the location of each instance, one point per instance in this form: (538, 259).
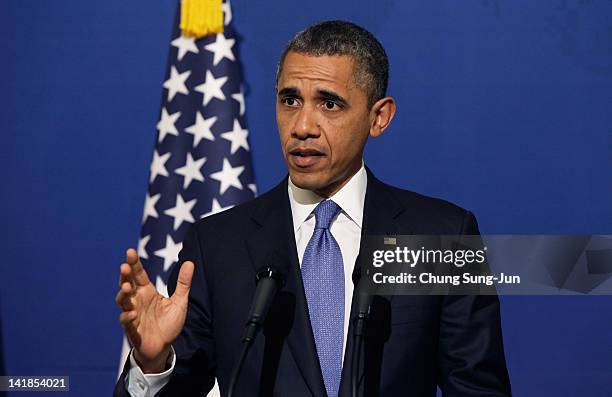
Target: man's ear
(382, 113)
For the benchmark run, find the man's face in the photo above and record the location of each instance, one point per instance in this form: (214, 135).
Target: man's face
(323, 120)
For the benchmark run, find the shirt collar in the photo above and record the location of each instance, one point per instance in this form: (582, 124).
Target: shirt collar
(350, 198)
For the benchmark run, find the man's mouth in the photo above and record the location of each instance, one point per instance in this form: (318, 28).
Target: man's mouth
(305, 157)
(305, 152)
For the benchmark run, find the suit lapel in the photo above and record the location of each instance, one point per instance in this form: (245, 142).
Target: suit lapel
(380, 213)
(273, 235)
(381, 209)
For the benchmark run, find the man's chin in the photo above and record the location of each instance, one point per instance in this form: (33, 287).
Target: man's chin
(304, 183)
(307, 181)
(324, 187)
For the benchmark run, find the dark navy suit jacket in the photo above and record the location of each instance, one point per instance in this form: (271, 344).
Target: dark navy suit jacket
(414, 343)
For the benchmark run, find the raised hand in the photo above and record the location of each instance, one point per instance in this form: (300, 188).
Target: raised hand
(150, 320)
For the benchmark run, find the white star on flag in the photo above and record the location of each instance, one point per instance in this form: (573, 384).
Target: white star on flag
(184, 45)
(158, 165)
(181, 212)
(191, 170)
(222, 48)
(176, 83)
(253, 188)
(201, 129)
(237, 136)
(239, 97)
(142, 247)
(166, 124)
(149, 207)
(169, 252)
(211, 88)
(227, 12)
(161, 287)
(228, 176)
(216, 208)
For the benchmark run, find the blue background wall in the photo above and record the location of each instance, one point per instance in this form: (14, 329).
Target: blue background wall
(504, 108)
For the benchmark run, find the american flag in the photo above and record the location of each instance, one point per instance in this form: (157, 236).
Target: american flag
(201, 163)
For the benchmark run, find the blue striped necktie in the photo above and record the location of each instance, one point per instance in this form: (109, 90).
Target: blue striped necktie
(323, 276)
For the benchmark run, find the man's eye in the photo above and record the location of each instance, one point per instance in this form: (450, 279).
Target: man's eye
(290, 101)
(331, 105)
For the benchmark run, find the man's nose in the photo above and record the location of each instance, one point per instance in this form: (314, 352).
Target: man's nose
(306, 125)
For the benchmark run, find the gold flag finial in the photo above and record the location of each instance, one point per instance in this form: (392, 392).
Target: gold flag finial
(201, 18)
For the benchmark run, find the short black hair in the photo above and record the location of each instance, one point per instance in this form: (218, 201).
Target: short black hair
(346, 38)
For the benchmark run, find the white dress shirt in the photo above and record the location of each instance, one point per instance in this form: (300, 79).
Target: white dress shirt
(346, 229)
(140, 384)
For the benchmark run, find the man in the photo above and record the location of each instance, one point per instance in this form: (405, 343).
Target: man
(331, 94)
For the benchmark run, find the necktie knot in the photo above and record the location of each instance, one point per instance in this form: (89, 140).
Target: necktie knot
(325, 211)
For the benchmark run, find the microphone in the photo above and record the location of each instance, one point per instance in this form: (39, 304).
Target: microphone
(362, 315)
(364, 300)
(269, 281)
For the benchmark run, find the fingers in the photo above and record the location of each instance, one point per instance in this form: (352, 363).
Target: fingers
(129, 323)
(125, 274)
(138, 274)
(184, 281)
(127, 280)
(131, 256)
(123, 298)
(131, 276)
(126, 318)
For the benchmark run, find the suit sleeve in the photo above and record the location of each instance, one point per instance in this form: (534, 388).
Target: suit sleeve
(194, 371)
(121, 386)
(471, 353)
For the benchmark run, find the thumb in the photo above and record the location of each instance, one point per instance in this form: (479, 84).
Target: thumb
(184, 281)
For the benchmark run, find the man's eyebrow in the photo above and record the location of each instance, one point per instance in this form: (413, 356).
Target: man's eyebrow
(332, 96)
(289, 91)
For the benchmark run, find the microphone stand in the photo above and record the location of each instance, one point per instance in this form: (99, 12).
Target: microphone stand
(359, 332)
(238, 368)
(364, 305)
(269, 281)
